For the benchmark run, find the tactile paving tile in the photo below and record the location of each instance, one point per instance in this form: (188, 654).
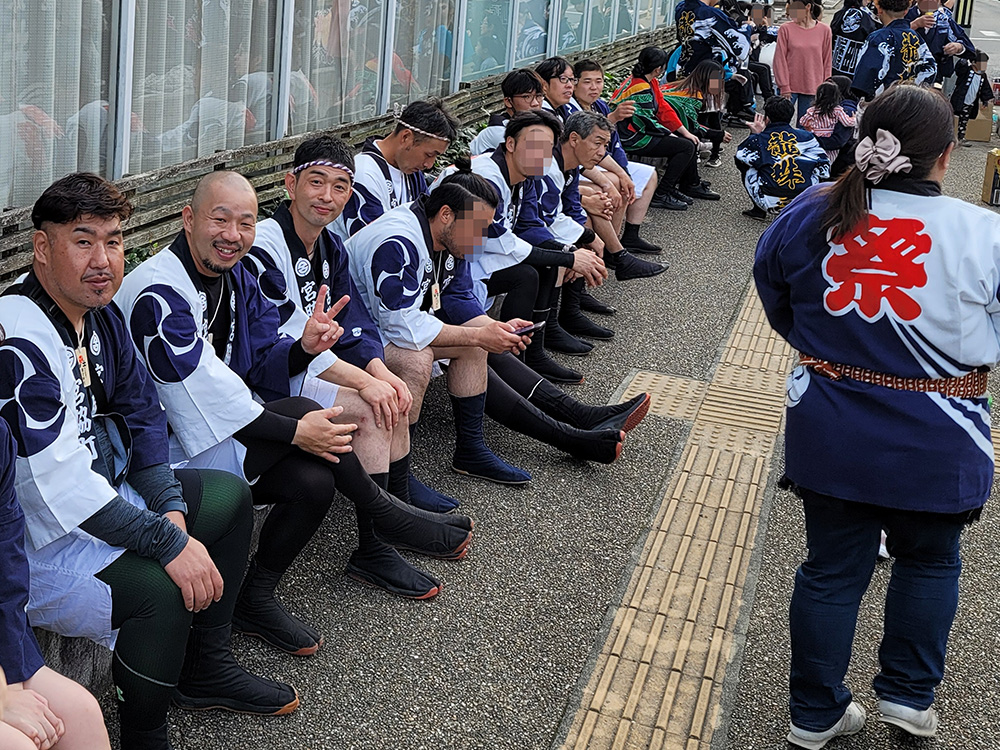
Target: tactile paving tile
(678, 398)
(734, 439)
(737, 407)
(657, 681)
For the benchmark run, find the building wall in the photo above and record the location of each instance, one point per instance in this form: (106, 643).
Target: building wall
(154, 93)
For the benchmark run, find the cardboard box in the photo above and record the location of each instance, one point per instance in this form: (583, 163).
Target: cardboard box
(991, 180)
(980, 128)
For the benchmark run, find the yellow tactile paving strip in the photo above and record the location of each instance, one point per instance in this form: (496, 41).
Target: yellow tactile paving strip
(657, 681)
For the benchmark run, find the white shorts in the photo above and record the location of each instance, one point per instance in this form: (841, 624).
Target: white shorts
(640, 173)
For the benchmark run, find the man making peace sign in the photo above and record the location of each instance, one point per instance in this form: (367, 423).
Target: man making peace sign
(211, 342)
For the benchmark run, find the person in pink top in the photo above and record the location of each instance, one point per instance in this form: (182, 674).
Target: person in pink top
(803, 56)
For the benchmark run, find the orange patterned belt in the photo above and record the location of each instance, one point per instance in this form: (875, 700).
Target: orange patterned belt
(972, 385)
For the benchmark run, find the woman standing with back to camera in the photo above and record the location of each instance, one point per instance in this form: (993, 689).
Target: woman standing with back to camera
(888, 291)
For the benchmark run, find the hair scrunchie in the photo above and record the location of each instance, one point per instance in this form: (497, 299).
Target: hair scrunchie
(881, 158)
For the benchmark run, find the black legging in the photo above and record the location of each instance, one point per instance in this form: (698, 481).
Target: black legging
(520, 283)
(147, 606)
(762, 72)
(682, 166)
(299, 485)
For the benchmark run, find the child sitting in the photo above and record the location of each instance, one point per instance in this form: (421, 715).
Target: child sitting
(822, 118)
(972, 91)
(778, 161)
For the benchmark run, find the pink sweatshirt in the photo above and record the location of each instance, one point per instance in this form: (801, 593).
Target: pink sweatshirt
(803, 58)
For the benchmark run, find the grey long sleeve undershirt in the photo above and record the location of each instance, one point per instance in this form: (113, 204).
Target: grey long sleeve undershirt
(121, 524)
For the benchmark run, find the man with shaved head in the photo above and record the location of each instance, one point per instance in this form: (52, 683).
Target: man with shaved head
(212, 344)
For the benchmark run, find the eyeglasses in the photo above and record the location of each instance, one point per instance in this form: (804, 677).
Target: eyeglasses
(530, 98)
(566, 79)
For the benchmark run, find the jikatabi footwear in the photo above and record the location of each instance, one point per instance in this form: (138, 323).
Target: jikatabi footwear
(628, 267)
(538, 360)
(918, 723)
(560, 405)
(639, 245)
(852, 722)
(380, 566)
(756, 213)
(259, 614)
(211, 678)
(572, 319)
(403, 526)
(472, 457)
(428, 498)
(557, 340)
(589, 303)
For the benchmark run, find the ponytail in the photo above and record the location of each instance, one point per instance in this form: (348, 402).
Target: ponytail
(921, 120)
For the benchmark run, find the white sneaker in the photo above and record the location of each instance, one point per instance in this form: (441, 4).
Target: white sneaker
(852, 722)
(883, 551)
(918, 723)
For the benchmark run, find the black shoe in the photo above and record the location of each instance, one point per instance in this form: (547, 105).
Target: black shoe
(589, 303)
(379, 565)
(663, 200)
(572, 319)
(679, 195)
(627, 266)
(736, 122)
(259, 614)
(756, 213)
(211, 678)
(639, 245)
(700, 191)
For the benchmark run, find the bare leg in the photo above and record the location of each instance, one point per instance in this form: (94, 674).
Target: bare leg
(467, 371)
(637, 211)
(370, 443)
(77, 708)
(414, 369)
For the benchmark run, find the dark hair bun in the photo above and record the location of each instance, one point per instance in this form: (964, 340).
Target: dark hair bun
(463, 164)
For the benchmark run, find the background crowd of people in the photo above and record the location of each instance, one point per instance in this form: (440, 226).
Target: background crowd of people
(291, 355)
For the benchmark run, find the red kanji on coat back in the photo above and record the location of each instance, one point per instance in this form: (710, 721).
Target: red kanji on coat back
(871, 270)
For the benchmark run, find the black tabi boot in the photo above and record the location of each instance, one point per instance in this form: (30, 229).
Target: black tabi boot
(144, 739)
(603, 446)
(211, 678)
(375, 563)
(632, 241)
(472, 457)
(589, 303)
(419, 494)
(572, 319)
(259, 614)
(557, 340)
(626, 266)
(625, 416)
(441, 535)
(536, 358)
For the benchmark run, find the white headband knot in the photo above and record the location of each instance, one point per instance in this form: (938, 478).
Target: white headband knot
(880, 159)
